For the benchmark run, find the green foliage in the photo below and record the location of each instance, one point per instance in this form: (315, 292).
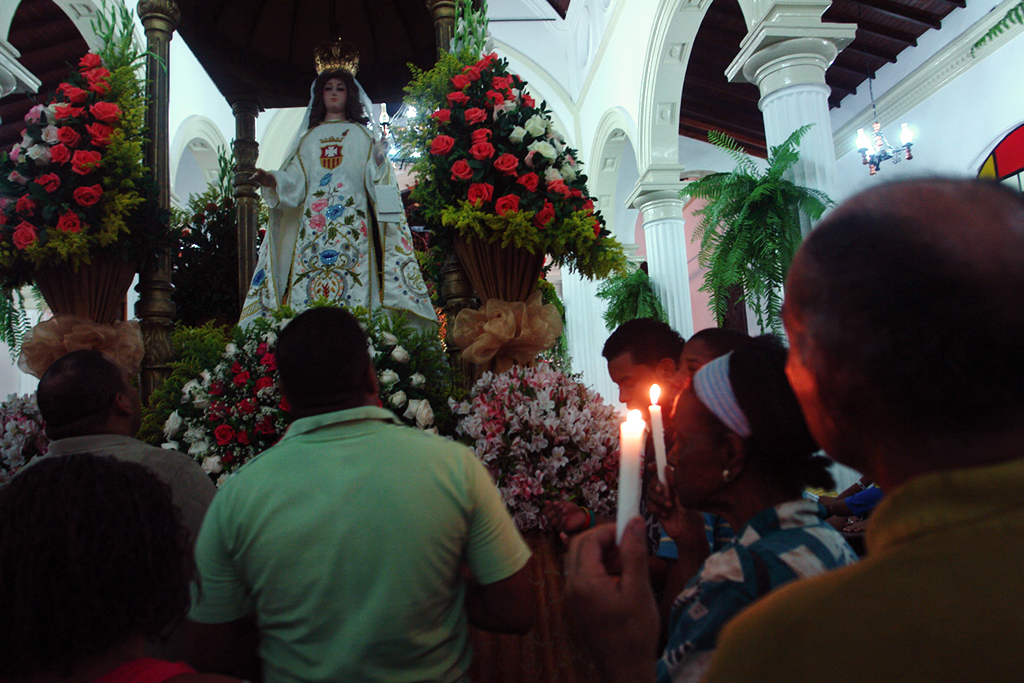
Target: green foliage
(14, 322)
(750, 226)
(205, 275)
(1015, 15)
(558, 355)
(470, 27)
(195, 350)
(629, 297)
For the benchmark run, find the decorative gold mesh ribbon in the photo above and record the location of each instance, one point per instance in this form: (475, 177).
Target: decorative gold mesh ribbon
(59, 336)
(507, 332)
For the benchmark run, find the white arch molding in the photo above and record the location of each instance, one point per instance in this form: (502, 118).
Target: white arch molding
(199, 137)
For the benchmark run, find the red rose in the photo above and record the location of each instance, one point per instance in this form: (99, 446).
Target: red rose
(482, 150)
(500, 83)
(507, 163)
(96, 75)
(236, 368)
(496, 98)
(461, 170)
(529, 101)
(66, 111)
(100, 87)
(241, 378)
(243, 438)
(108, 112)
(486, 60)
(84, 162)
(457, 97)
(224, 434)
(509, 202)
(480, 135)
(544, 216)
(216, 388)
(588, 206)
(269, 361)
(265, 426)
(460, 82)
(442, 144)
(69, 222)
(576, 192)
(49, 181)
(227, 458)
(87, 196)
(529, 181)
(59, 154)
(68, 136)
(475, 115)
(479, 193)
(75, 95)
(100, 134)
(25, 205)
(263, 383)
(24, 235)
(91, 60)
(472, 72)
(262, 348)
(597, 228)
(442, 115)
(285, 405)
(559, 187)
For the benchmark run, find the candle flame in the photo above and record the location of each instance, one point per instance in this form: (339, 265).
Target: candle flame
(634, 417)
(655, 394)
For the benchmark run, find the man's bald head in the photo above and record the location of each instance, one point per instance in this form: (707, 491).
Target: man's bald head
(906, 305)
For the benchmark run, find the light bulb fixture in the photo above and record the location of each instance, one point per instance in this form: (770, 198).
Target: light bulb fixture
(874, 148)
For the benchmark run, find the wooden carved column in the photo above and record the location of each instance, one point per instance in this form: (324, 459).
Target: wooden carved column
(443, 12)
(246, 151)
(155, 308)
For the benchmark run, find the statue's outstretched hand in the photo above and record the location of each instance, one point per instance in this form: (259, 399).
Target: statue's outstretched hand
(264, 178)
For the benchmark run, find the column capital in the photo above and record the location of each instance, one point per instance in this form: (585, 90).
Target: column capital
(160, 14)
(775, 56)
(658, 184)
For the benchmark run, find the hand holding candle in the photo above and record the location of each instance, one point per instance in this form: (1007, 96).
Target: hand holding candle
(658, 433)
(631, 450)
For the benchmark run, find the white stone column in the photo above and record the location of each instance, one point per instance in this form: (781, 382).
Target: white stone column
(788, 66)
(665, 233)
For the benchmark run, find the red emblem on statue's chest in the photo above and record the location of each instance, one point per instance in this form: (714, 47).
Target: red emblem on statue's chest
(330, 155)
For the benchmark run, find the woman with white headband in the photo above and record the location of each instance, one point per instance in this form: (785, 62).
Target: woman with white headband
(739, 448)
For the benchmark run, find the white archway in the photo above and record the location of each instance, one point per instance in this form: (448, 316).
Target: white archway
(194, 157)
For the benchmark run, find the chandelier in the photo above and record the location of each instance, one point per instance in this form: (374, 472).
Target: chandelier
(875, 149)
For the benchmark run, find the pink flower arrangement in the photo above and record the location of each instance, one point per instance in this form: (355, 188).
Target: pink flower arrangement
(543, 436)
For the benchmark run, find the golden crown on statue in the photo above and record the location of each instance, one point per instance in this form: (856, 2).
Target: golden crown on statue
(337, 54)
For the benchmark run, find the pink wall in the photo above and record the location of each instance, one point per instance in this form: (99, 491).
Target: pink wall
(702, 317)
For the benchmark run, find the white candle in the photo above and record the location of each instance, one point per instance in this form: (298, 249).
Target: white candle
(658, 433)
(631, 449)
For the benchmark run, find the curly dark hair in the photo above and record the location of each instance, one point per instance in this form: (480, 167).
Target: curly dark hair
(354, 111)
(646, 340)
(92, 552)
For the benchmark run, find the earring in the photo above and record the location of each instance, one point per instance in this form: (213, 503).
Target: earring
(725, 475)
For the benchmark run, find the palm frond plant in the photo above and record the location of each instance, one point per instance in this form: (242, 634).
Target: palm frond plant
(630, 296)
(750, 226)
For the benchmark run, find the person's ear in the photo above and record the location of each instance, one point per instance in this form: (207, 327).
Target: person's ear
(665, 370)
(124, 404)
(734, 456)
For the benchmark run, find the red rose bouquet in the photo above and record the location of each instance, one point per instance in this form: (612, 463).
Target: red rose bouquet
(496, 169)
(76, 181)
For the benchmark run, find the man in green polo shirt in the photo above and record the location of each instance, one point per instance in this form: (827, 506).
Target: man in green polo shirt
(356, 549)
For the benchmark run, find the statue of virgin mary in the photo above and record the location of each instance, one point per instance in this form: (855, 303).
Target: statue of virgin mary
(337, 226)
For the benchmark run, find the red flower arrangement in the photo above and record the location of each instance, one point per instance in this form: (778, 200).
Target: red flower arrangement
(496, 169)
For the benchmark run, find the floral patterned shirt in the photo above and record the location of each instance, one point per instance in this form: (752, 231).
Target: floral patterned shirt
(780, 544)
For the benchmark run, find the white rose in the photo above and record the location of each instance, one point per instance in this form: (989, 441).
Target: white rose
(212, 465)
(424, 414)
(388, 377)
(568, 172)
(40, 153)
(50, 135)
(397, 399)
(551, 174)
(230, 350)
(517, 135)
(545, 149)
(172, 425)
(410, 411)
(199, 447)
(389, 339)
(169, 445)
(417, 380)
(206, 377)
(536, 125)
(188, 389)
(400, 355)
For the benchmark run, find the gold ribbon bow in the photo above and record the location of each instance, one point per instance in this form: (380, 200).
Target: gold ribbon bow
(59, 336)
(507, 332)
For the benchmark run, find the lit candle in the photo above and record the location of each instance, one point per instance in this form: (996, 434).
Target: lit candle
(658, 433)
(631, 449)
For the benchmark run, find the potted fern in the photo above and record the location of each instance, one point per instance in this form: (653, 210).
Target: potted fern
(750, 227)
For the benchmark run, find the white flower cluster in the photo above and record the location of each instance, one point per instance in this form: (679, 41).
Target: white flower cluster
(543, 436)
(22, 434)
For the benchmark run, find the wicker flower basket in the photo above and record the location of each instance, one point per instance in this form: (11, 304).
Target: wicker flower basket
(496, 272)
(95, 290)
